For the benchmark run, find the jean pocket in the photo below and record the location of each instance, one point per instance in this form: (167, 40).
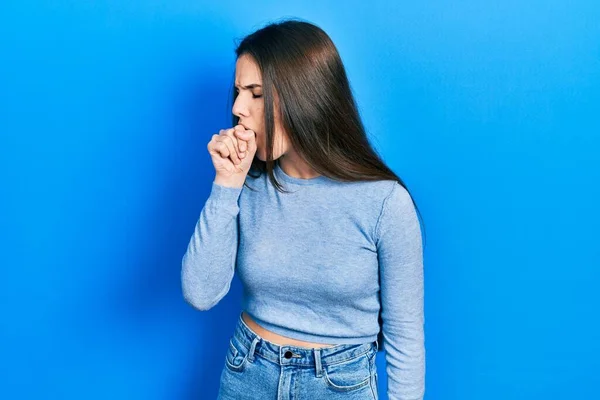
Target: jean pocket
(236, 356)
(349, 374)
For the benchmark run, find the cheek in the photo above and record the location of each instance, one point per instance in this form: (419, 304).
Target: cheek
(259, 111)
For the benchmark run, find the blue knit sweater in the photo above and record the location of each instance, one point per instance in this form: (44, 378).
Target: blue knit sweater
(333, 262)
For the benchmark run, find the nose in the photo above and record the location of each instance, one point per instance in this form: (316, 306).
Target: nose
(239, 108)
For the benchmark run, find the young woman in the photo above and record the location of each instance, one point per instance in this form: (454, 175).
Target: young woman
(322, 234)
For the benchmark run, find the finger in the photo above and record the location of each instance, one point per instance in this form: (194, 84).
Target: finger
(226, 144)
(221, 148)
(239, 133)
(249, 137)
(242, 146)
(216, 147)
(232, 146)
(237, 142)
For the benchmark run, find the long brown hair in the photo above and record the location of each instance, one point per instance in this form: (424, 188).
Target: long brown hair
(317, 108)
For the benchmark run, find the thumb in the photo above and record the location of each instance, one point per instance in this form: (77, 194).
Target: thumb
(249, 136)
(251, 141)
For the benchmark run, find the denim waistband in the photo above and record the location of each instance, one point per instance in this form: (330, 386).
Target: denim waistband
(294, 355)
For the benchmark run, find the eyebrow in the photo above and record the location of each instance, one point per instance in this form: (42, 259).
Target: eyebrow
(250, 86)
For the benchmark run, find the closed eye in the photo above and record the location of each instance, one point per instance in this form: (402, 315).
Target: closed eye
(254, 96)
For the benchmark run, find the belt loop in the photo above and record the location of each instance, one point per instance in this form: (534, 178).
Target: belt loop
(252, 348)
(318, 368)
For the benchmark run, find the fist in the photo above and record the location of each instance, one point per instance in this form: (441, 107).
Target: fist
(232, 151)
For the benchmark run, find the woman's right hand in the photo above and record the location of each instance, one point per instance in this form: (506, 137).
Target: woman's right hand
(232, 152)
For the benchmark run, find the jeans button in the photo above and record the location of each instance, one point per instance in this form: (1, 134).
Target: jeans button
(288, 354)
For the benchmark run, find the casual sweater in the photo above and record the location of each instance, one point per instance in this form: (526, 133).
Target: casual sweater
(331, 262)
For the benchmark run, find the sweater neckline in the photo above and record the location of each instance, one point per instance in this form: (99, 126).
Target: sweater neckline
(280, 174)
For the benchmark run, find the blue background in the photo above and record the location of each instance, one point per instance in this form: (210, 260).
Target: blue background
(489, 110)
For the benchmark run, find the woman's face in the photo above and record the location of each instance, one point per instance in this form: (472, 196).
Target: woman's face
(249, 107)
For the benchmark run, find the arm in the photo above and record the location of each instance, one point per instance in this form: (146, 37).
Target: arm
(208, 265)
(400, 258)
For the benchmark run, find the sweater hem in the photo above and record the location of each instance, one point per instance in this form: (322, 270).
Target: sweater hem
(309, 337)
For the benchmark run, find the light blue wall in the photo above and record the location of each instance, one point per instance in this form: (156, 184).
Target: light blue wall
(489, 110)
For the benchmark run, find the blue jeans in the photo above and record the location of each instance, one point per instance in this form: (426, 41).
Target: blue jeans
(258, 369)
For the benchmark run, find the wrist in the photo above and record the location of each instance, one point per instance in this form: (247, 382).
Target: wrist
(229, 182)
